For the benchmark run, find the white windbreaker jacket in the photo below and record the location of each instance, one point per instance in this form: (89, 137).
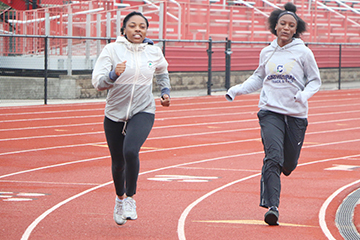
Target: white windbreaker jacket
(131, 92)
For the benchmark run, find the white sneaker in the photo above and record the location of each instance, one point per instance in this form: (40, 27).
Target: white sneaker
(119, 212)
(129, 206)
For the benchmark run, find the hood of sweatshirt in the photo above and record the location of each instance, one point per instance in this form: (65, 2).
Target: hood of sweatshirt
(129, 45)
(294, 42)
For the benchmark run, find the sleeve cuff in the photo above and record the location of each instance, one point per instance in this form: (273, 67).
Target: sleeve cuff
(229, 98)
(298, 97)
(113, 76)
(165, 91)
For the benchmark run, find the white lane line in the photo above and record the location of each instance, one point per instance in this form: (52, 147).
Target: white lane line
(169, 126)
(52, 166)
(52, 148)
(254, 99)
(167, 118)
(185, 213)
(220, 169)
(174, 136)
(108, 183)
(100, 123)
(158, 127)
(187, 117)
(49, 183)
(51, 136)
(322, 212)
(167, 149)
(169, 111)
(14, 199)
(32, 226)
(182, 219)
(102, 108)
(51, 118)
(51, 126)
(175, 99)
(53, 111)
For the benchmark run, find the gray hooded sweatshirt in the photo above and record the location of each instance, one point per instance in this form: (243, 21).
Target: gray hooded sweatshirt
(288, 76)
(131, 92)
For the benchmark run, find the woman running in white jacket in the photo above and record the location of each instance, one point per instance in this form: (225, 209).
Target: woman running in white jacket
(126, 69)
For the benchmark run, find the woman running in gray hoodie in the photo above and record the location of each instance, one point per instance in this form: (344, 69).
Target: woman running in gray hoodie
(288, 75)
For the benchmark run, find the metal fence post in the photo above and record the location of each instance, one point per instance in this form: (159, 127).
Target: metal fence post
(339, 87)
(70, 34)
(209, 52)
(87, 41)
(163, 47)
(46, 69)
(162, 27)
(228, 53)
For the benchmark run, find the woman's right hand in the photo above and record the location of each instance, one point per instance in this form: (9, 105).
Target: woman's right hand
(120, 68)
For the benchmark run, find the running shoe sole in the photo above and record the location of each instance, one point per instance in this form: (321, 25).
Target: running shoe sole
(271, 218)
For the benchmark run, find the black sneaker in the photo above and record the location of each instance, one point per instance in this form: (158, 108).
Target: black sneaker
(271, 217)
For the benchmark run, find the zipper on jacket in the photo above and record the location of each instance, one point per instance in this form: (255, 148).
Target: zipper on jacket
(136, 76)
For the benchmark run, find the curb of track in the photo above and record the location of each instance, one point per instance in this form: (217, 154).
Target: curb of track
(344, 216)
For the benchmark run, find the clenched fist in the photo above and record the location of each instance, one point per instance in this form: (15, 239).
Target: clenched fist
(165, 100)
(120, 68)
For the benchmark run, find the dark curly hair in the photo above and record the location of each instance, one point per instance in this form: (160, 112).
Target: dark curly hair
(126, 19)
(274, 16)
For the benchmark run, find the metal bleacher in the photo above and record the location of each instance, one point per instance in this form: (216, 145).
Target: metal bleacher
(329, 21)
(238, 20)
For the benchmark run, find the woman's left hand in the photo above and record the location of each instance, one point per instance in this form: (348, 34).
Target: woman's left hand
(165, 100)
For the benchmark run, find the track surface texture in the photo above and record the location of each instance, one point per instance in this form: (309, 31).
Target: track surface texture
(199, 172)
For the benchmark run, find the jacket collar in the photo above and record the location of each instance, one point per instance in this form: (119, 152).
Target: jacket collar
(131, 46)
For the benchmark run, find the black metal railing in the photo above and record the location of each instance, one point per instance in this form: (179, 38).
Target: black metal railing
(228, 52)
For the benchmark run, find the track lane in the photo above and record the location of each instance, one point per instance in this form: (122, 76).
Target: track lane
(156, 154)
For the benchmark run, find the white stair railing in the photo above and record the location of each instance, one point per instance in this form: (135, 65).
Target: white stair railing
(252, 7)
(347, 6)
(178, 19)
(335, 12)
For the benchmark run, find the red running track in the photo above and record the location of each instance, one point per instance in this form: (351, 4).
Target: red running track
(199, 176)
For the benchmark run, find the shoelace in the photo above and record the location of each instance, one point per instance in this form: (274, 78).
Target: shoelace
(273, 209)
(118, 208)
(129, 205)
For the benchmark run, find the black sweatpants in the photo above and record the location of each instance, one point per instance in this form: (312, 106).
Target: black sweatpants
(124, 150)
(282, 137)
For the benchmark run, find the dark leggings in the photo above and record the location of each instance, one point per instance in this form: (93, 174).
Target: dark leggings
(282, 137)
(124, 150)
